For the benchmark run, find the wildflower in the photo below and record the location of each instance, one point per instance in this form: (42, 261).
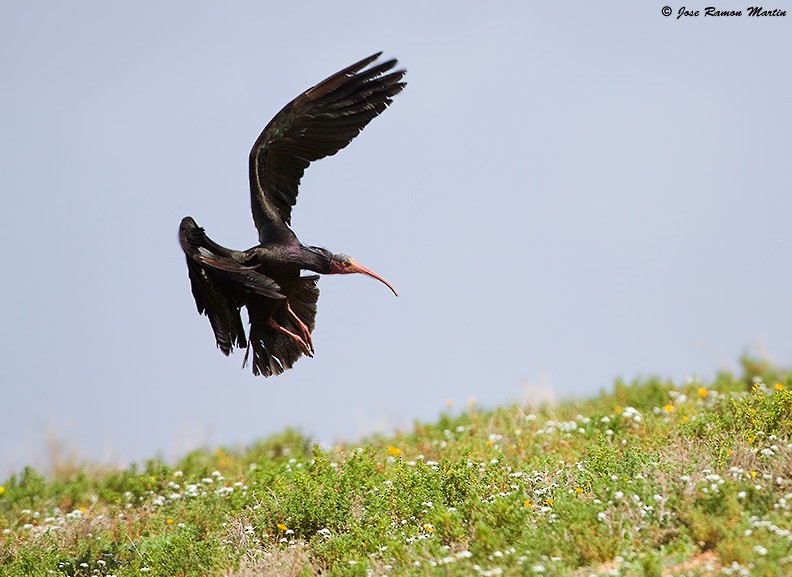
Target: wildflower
(578, 490)
(428, 528)
(703, 393)
(779, 387)
(169, 521)
(2, 489)
(282, 527)
(669, 408)
(549, 501)
(464, 554)
(394, 450)
(759, 550)
(490, 443)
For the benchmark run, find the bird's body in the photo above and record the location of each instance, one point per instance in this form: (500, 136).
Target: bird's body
(266, 279)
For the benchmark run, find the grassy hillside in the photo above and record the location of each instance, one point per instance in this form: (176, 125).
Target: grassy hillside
(653, 478)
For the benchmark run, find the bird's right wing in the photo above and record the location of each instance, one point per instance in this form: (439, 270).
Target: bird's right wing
(318, 123)
(220, 285)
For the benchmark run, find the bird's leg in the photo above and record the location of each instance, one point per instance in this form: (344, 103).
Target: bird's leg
(296, 338)
(306, 332)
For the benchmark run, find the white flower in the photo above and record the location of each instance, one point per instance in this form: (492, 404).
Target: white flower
(465, 554)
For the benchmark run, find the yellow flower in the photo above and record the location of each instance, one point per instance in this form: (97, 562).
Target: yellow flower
(2, 489)
(753, 474)
(428, 528)
(669, 408)
(685, 419)
(527, 504)
(703, 392)
(578, 490)
(282, 527)
(617, 409)
(549, 501)
(169, 521)
(394, 450)
(779, 387)
(489, 443)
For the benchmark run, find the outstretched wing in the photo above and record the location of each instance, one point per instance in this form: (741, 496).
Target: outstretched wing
(318, 123)
(221, 285)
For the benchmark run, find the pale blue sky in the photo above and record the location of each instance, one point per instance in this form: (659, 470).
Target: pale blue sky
(565, 193)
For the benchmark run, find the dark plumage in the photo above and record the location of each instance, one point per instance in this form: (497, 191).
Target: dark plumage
(265, 279)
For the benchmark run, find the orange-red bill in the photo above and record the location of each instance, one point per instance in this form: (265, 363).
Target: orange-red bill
(356, 267)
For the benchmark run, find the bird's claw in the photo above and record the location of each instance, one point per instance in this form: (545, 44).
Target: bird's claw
(305, 332)
(306, 337)
(307, 350)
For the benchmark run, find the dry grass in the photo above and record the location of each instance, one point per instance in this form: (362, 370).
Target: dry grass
(291, 561)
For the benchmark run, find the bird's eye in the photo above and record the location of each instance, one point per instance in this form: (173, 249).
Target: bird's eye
(345, 264)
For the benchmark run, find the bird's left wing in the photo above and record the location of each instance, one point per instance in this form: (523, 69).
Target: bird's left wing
(318, 123)
(220, 285)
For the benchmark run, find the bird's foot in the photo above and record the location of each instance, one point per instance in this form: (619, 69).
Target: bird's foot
(304, 330)
(298, 340)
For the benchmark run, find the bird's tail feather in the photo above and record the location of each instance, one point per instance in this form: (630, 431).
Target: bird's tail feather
(274, 352)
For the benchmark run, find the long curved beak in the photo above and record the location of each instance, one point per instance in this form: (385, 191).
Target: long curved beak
(354, 266)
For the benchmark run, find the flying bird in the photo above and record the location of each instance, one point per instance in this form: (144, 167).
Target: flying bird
(266, 279)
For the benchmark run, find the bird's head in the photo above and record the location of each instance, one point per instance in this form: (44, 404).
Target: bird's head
(343, 264)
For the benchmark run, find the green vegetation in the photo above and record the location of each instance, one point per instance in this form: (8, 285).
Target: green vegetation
(652, 479)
